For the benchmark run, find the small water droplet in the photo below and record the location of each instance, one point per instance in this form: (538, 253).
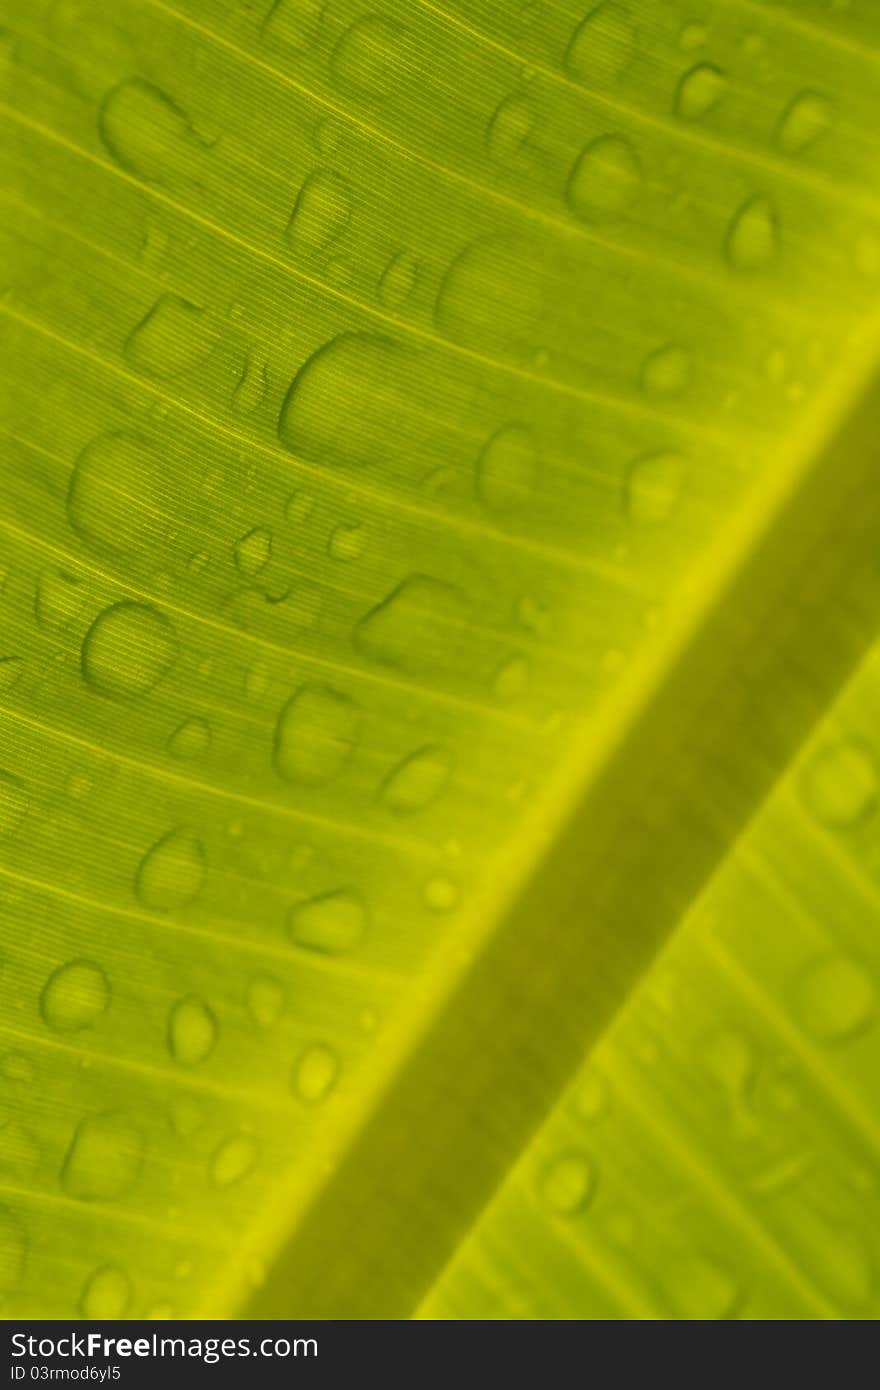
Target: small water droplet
(104, 1159)
(321, 213)
(506, 468)
(192, 1031)
(316, 734)
(667, 371)
(314, 1074)
(191, 739)
(128, 649)
(510, 129)
(253, 551)
(171, 873)
(653, 488)
(441, 894)
(699, 91)
(233, 1160)
(74, 996)
(605, 179)
(591, 1098)
(807, 118)
(265, 1000)
(511, 680)
(417, 628)
(106, 1295)
(173, 338)
(835, 999)
(567, 1183)
(250, 391)
(299, 508)
(330, 923)
(840, 784)
(347, 542)
(418, 780)
(753, 236)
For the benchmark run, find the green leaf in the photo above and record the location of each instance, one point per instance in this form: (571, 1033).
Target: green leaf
(439, 528)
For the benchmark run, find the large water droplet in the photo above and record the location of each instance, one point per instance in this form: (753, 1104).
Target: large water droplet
(835, 999)
(840, 784)
(235, 1158)
(321, 212)
(805, 120)
(418, 780)
(192, 1031)
(331, 923)
(314, 1074)
(340, 405)
(128, 649)
(171, 873)
(567, 1183)
(104, 1159)
(602, 44)
(316, 734)
(174, 337)
(653, 488)
(74, 996)
(106, 1295)
(753, 236)
(605, 179)
(191, 739)
(699, 91)
(14, 802)
(115, 491)
(506, 468)
(417, 628)
(147, 133)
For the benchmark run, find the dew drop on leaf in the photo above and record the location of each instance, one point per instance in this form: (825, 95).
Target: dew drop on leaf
(74, 996)
(804, 122)
(653, 488)
(834, 999)
(104, 1159)
(506, 468)
(320, 214)
(602, 45)
(699, 91)
(840, 784)
(605, 179)
(128, 649)
(567, 1183)
(314, 1074)
(107, 1294)
(253, 551)
(171, 873)
(753, 236)
(265, 1000)
(316, 734)
(666, 372)
(190, 740)
(418, 780)
(331, 923)
(233, 1160)
(192, 1031)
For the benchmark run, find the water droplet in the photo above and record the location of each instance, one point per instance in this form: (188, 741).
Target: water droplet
(331, 923)
(591, 1098)
(399, 280)
(106, 1295)
(253, 551)
(567, 1183)
(265, 1000)
(602, 45)
(316, 734)
(314, 1075)
(104, 1159)
(147, 133)
(510, 129)
(235, 1158)
(700, 1289)
(11, 670)
(753, 236)
(492, 298)
(128, 649)
(60, 600)
(13, 1251)
(191, 739)
(347, 542)
(417, 628)
(605, 179)
(506, 468)
(173, 338)
(840, 784)
(192, 1031)
(533, 616)
(653, 488)
(299, 508)
(368, 59)
(250, 391)
(666, 372)
(340, 405)
(321, 213)
(511, 680)
(418, 780)
(441, 894)
(74, 996)
(692, 37)
(805, 120)
(835, 999)
(699, 91)
(171, 873)
(14, 802)
(295, 23)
